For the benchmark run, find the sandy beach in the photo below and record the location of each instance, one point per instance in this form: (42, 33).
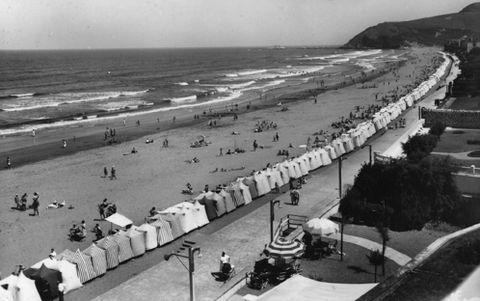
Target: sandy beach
(156, 175)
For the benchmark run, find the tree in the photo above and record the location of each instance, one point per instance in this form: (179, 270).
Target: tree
(383, 231)
(375, 258)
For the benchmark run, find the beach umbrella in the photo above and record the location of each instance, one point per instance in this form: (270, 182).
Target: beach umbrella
(320, 226)
(282, 247)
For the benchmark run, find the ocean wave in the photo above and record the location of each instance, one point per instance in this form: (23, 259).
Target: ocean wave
(182, 84)
(94, 118)
(270, 84)
(190, 98)
(246, 73)
(59, 99)
(241, 85)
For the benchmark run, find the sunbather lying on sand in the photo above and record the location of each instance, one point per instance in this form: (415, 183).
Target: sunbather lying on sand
(55, 205)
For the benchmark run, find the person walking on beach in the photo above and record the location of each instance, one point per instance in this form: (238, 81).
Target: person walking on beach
(64, 143)
(35, 204)
(113, 173)
(255, 145)
(221, 152)
(173, 119)
(105, 172)
(9, 163)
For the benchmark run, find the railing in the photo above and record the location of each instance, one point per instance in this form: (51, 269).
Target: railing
(469, 170)
(290, 221)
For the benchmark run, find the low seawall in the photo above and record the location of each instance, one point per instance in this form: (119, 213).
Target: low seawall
(452, 118)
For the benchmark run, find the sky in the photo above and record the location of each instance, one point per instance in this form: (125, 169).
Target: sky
(89, 24)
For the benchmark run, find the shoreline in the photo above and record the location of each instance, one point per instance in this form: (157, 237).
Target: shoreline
(36, 152)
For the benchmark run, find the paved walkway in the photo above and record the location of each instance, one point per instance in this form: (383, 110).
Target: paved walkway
(399, 258)
(246, 237)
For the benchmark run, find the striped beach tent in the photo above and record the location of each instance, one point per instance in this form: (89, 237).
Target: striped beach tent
(164, 231)
(110, 246)
(124, 248)
(227, 198)
(150, 236)
(99, 259)
(174, 223)
(84, 266)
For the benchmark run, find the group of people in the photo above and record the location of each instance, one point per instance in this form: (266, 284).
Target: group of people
(113, 171)
(21, 203)
(105, 209)
(264, 125)
(78, 233)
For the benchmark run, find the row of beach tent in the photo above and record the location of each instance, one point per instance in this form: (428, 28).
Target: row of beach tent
(73, 268)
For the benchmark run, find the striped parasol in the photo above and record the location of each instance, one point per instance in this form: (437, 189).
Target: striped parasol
(285, 248)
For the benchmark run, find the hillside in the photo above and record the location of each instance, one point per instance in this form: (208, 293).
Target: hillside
(426, 31)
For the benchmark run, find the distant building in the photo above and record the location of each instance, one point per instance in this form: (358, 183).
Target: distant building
(463, 44)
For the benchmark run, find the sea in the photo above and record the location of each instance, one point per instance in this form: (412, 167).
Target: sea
(44, 88)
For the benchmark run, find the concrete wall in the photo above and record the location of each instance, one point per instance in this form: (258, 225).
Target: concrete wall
(452, 118)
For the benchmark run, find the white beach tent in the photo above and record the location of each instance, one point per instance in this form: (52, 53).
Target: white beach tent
(263, 187)
(21, 288)
(283, 168)
(199, 213)
(150, 236)
(137, 240)
(189, 221)
(300, 288)
(324, 156)
(331, 152)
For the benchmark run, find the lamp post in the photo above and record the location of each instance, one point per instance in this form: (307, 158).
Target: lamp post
(191, 263)
(340, 177)
(272, 216)
(370, 154)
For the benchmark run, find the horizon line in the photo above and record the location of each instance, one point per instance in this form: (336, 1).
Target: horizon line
(173, 47)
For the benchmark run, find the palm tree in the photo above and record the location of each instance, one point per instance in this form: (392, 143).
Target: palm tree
(383, 231)
(376, 259)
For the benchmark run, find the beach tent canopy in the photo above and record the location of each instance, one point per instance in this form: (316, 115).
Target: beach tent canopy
(119, 220)
(300, 288)
(46, 281)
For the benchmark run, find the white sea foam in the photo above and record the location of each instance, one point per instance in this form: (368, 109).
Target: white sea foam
(190, 98)
(56, 100)
(182, 84)
(270, 84)
(94, 118)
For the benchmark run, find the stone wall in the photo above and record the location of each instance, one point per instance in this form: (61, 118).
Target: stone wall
(452, 118)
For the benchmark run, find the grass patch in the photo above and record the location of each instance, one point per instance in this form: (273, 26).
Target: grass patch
(456, 142)
(474, 154)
